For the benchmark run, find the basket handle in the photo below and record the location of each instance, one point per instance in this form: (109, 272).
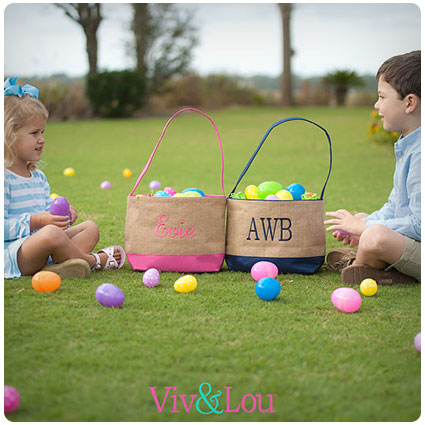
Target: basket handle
(162, 136)
(265, 137)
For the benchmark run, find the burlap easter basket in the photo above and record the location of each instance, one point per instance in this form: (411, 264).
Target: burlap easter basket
(178, 234)
(290, 234)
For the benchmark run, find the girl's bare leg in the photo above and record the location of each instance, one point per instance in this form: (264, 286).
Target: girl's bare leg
(85, 235)
(51, 240)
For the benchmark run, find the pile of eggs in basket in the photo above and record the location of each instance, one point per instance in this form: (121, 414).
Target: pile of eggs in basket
(274, 191)
(169, 192)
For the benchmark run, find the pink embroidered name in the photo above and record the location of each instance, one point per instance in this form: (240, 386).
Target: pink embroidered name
(161, 230)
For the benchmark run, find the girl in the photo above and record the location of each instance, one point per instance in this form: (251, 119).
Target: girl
(32, 236)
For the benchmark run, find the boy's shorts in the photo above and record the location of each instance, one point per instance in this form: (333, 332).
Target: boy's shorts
(410, 261)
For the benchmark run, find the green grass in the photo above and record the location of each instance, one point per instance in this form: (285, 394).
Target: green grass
(74, 360)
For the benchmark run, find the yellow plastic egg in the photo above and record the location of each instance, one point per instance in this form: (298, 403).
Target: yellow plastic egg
(251, 192)
(185, 284)
(368, 287)
(69, 172)
(127, 173)
(179, 195)
(54, 196)
(284, 195)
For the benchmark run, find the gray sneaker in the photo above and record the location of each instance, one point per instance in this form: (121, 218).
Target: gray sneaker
(75, 267)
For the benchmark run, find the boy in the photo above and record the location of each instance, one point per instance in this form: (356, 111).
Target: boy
(389, 240)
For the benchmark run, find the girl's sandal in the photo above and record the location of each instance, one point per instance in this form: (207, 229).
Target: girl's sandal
(111, 262)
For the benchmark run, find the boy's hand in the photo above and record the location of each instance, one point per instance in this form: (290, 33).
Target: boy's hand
(45, 218)
(347, 222)
(74, 214)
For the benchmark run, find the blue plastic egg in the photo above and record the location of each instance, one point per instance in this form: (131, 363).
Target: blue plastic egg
(194, 190)
(296, 190)
(161, 194)
(267, 288)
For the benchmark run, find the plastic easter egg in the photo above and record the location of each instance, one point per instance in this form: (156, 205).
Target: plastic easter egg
(170, 191)
(110, 295)
(11, 399)
(296, 190)
(417, 341)
(185, 284)
(151, 277)
(105, 184)
(194, 190)
(272, 198)
(161, 194)
(264, 269)
(59, 206)
(191, 194)
(178, 195)
(346, 299)
(54, 196)
(251, 192)
(69, 172)
(267, 288)
(154, 185)
(46, 281)
(342, 233)
(268, 188)
(368, 287)
(127, 172)
(284, 195)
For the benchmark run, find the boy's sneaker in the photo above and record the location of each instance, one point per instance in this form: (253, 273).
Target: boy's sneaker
(75, 267)
(339, 258)
(355, 274)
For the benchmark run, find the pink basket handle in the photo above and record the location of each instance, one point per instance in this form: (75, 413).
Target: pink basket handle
(162, 136)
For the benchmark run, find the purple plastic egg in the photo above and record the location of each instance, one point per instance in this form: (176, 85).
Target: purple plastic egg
(154, 184)
(341, 232)
(346, 299)
(105, 185)
(60, 206)
(272, 198)
(11, 399)
(110, 295)
(417, 341)
(151, 277)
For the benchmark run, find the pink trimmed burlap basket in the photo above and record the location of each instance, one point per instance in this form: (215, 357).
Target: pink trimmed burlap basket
(176, 234)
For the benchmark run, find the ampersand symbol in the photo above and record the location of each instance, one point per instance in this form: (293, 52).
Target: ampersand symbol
(213, 398)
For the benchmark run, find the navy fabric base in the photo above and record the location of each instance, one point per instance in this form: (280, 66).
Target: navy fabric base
(304, 265)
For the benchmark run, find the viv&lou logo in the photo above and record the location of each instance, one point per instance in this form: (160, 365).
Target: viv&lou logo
(207, 403)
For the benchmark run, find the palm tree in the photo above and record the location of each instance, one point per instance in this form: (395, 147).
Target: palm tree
(341, 81)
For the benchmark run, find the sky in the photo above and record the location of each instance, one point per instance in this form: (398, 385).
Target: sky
(236, 38)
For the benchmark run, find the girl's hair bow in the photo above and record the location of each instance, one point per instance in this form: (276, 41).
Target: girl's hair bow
(13, 89)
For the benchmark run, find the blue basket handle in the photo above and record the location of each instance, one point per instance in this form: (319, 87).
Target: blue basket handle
(264, 139)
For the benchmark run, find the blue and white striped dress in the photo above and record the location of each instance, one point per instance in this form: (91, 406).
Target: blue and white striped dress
(23, 197)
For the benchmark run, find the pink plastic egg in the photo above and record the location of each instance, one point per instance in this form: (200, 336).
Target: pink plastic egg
(151, 277)
(346, 299)
(11, 399)
(272, 198)
(263, 269)
(417, 341)
(105, 185)
(170, 191)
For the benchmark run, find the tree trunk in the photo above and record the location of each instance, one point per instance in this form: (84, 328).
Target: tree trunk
(141, 33)
(287, 98)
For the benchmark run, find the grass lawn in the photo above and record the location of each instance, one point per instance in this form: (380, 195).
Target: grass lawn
(73, 360)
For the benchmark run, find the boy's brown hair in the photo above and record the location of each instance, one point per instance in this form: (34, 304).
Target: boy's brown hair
(403, 72)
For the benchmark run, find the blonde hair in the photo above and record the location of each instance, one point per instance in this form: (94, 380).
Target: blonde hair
(17, 112)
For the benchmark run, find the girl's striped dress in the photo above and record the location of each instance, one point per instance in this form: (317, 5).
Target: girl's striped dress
(23, 197)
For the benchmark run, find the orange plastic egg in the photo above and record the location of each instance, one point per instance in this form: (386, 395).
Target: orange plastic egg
(46, 281)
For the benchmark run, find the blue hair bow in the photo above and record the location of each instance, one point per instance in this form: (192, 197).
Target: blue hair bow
(13, 89)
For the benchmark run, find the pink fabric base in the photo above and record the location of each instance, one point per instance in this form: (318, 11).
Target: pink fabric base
(177, 263)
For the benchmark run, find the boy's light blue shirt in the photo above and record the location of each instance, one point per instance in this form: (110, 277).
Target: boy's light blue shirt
(402, 212)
